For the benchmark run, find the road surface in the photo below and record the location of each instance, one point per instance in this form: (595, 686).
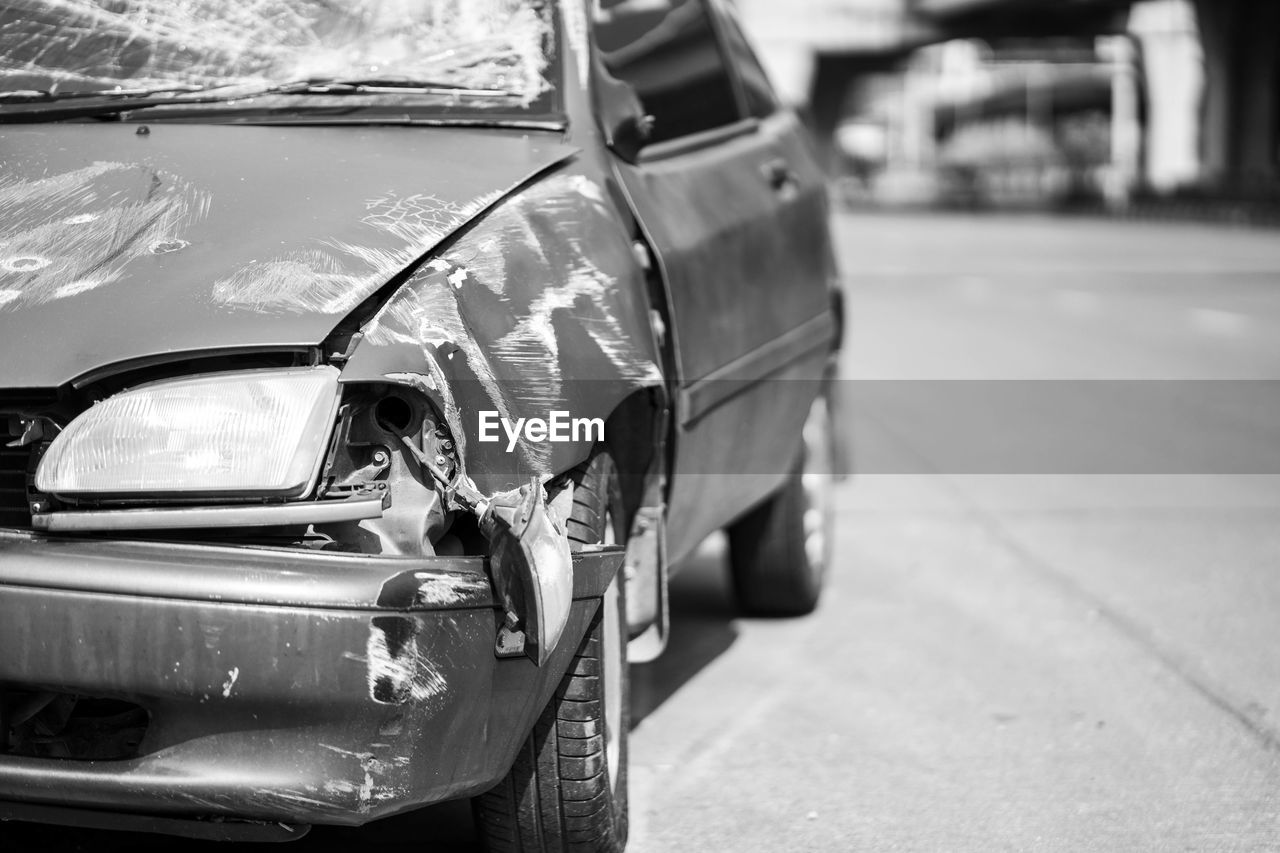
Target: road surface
(1031, 658)
(1019, 649)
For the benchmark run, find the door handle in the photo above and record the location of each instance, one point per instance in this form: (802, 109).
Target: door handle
(779, 175)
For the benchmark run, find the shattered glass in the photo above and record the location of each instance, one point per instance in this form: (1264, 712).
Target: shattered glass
(91, 45)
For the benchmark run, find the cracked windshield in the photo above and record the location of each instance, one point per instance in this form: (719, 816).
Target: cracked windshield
(480, 53)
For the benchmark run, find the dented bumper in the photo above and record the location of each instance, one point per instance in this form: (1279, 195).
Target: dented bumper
(280, 685)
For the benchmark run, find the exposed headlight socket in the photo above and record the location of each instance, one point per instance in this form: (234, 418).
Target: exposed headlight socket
(396, 415)
(368, 453)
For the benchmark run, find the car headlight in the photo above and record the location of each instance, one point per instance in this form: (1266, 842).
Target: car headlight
(258, 433)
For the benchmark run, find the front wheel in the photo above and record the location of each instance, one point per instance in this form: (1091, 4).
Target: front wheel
(779, 551)
(567, 790)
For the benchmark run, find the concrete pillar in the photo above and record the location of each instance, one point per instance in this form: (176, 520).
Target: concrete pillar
(919, 100)
(832, 77)
(1241, 41)
(1217, 23)
(1126, 129)
(1173, 65)
(833, 80)
(1259, 42)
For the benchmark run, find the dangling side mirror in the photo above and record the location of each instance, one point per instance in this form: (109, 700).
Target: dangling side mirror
(629, 136)
(623, 121)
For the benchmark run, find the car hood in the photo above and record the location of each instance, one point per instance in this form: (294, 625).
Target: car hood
(120, 242)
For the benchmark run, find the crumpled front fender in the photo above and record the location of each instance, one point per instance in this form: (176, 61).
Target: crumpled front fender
(540, 307)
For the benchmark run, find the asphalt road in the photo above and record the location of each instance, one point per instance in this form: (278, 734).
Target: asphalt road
(1038, 653)
(1019, 649)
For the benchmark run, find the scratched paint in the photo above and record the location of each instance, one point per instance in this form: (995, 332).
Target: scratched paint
(442, 590)
(70, 233)
(232, 675)
(374, 787)
(397, 670)
(435, 589)
(524, 315)
(339, 275)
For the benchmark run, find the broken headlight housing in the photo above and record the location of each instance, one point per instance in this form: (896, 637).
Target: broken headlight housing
(259, 433)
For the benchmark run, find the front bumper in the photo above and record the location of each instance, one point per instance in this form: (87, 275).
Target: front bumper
(281, 685)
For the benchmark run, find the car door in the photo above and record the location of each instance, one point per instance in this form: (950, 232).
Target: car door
(725, 199)
(802, 211)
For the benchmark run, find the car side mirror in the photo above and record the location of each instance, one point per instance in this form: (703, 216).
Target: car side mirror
(623, 121)
(629, 136)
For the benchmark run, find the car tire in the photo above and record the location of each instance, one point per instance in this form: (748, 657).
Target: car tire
(567, 790)
(779, 551)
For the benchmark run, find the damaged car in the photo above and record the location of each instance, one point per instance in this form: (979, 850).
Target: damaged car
(368, 367)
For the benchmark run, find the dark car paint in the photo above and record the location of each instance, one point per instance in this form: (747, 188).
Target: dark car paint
(116, 247)
(451, 751)
(739, 227)
(539, 308)
(342, 709)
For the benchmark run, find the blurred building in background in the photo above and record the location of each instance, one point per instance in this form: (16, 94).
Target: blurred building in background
(1034, 102)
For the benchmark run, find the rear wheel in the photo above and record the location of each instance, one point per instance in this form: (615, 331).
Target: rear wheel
(567, 790)
(778, 552)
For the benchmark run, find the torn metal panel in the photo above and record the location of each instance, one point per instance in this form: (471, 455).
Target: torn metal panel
(529, 556)
(493, 45)
(532, 567)
(540, 307)
(239, 237)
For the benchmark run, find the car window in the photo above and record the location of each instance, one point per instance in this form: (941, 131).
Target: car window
(668, 52)
(760, 99)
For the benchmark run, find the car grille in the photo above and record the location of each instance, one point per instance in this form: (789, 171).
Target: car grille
(14, 511)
